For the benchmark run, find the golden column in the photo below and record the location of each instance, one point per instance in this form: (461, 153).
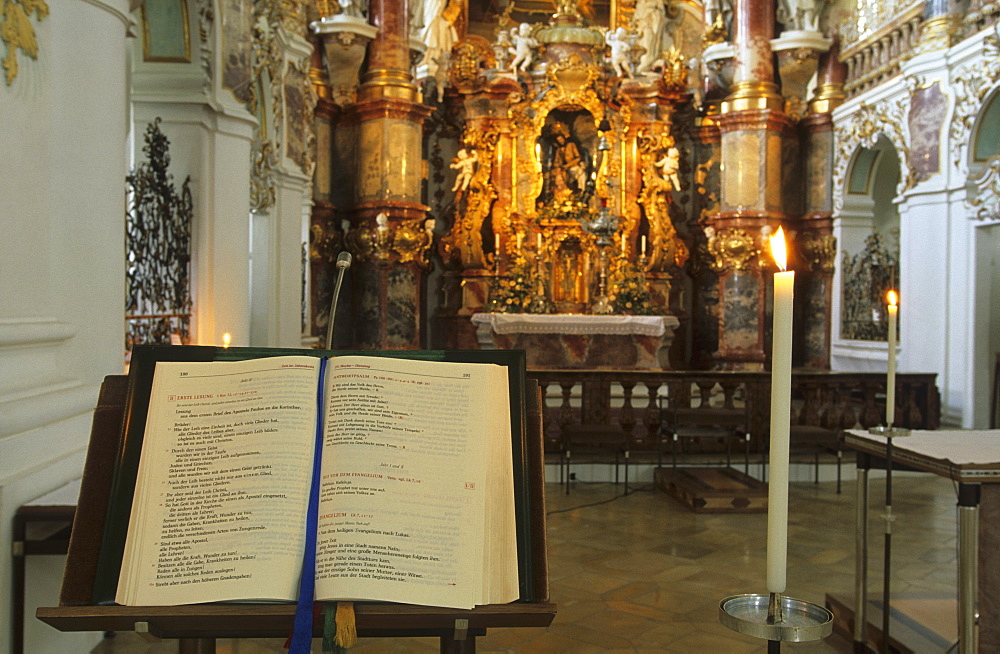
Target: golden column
(388, 234)
(754, 129)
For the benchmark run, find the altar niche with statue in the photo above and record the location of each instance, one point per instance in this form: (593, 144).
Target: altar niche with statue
(567, 208)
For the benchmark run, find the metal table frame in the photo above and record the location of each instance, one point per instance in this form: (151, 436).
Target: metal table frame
(970, 476)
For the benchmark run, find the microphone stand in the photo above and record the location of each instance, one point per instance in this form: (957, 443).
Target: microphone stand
(343, 263)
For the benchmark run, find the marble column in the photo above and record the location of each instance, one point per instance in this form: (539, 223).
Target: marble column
(325, 236)
(816, 241)
(755, 133)
(705, 280)
(388, 235)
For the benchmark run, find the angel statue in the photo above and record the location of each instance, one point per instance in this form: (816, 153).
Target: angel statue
(523, 43)
(620, 43)
(465, 164)
(668, 166)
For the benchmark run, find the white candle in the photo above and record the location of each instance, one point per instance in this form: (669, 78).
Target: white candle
(538, 241)
(519, 236)
(890, 380)
(496, 244)
(642, 250)
(781, 408)
(623, 245)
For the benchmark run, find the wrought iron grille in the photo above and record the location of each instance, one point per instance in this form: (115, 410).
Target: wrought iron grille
(157, 250)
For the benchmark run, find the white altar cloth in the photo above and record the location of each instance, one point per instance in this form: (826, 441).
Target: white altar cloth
(574, 323)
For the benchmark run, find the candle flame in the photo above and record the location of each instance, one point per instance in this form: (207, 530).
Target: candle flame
(892, 297)
(226, 339)
(778, 249)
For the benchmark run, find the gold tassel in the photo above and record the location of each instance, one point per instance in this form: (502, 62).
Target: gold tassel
(347, 628)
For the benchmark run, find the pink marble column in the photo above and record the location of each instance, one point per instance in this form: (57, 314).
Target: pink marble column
(753, 129)
(388, 73)
(753, 84)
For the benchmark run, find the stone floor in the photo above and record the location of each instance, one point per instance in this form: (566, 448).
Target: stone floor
(640, 573)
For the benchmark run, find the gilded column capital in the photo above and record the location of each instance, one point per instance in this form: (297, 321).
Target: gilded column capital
(385, 240)
(732, 249)
(820, 251)
(939, 33)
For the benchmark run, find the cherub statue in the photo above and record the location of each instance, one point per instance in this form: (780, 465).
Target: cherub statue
(523, 43)
(668, 166)
(619, 42)
(465, 164)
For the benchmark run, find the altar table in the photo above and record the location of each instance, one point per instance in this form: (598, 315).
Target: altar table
(566, 340)
(972, 459)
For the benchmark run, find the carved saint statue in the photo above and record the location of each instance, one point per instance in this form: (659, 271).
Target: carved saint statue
(800, 14)
(650, 20)
(439, 34)
(569, 166)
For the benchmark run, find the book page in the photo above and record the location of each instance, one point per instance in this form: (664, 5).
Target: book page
(223, 483)
(402, 499)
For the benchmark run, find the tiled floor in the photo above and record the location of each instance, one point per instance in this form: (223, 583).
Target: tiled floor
(643, 574)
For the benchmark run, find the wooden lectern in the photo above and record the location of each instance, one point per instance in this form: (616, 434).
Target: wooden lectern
(197, 626)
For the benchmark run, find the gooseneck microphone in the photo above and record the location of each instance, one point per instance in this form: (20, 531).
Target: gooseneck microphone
(343, 263)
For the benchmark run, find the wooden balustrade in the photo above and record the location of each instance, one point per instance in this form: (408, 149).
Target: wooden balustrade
(631, 399)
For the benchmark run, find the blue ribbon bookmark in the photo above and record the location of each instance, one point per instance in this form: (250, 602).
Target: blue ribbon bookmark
(303, 627)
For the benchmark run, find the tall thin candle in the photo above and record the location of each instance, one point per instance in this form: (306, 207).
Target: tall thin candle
(781, 403)
(890, 379)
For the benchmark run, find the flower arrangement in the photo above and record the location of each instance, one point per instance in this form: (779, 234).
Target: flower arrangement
(512, 293)
(628, 291)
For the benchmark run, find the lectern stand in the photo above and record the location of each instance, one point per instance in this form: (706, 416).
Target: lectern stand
(198, 626)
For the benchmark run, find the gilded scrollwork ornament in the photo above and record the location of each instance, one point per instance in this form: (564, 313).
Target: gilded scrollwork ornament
(17, 32)
(820, 251)
(659, 160)
(986, 198)
(863, 129)
(475, 202)
(971, 84)
(262, 185)
(732, 249)
(324, 243)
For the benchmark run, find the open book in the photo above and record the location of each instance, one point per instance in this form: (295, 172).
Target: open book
(415, 482)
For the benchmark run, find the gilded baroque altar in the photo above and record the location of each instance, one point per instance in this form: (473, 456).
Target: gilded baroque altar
(565, 174)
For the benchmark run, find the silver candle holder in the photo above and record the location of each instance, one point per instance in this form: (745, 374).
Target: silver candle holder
(776, 618)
